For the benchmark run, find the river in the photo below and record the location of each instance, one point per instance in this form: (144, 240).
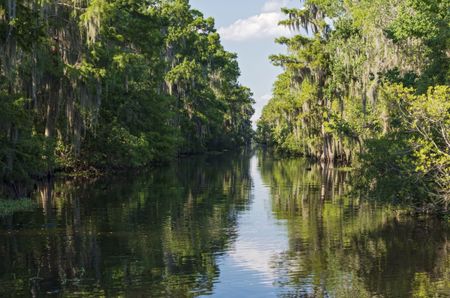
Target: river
(231, 225)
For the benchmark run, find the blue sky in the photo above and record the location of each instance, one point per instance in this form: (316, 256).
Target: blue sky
(248, 28)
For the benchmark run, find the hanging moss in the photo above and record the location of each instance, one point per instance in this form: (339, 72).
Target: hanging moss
(342, 96)
(112, 84)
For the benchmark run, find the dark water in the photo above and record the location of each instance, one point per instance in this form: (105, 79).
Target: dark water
(229, 226)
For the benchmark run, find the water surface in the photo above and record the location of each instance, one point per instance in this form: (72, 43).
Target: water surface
(234, 225)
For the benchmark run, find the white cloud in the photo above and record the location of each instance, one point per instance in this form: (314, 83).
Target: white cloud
(260, 26)
(251, 256)
(274, 5)
(264, 25)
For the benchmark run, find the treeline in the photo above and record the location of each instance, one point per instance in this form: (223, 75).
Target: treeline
(112, 84)
(368, 81)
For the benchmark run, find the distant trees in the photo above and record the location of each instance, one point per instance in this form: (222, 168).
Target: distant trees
(368, 79)
(113, 84)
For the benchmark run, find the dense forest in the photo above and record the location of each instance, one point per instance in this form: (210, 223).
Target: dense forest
(107, 84)
(367, 83)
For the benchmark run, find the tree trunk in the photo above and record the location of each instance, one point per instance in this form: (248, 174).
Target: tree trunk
(34, 77)
(52, 109)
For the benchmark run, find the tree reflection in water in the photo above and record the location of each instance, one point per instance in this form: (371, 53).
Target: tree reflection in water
(344, 246)
(162, 233)
(157, 232)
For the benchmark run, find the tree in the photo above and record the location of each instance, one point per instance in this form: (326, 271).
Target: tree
(113, 84)
(356, 83)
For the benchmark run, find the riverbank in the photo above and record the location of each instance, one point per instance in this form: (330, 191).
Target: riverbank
(111, 85)
(359, 90)
(22, 189)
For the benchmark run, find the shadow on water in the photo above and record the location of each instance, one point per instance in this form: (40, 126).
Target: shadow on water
(164, 232)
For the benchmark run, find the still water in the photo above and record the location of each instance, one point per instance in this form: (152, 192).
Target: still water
(234, 225)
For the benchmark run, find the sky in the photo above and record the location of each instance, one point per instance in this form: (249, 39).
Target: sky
(249, 28)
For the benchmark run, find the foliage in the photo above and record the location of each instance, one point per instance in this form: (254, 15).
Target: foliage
(113, 84)
(369, 79)
(414, 157)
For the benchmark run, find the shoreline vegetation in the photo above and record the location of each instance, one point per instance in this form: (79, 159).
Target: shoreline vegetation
(113, 84)
(366, 84)
(91, 86)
